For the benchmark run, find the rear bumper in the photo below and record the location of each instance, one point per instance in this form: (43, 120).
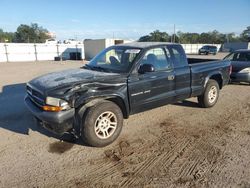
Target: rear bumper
(57, 122)
(240, 77)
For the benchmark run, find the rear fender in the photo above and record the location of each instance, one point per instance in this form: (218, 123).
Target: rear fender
(217, 76)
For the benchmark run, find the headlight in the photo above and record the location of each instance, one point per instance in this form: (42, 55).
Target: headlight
(55, 105)
(246, 70)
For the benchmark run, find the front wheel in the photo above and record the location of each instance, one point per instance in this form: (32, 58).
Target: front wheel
(102, 124)
(210, 96)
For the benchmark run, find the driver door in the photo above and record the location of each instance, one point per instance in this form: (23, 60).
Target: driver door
(152, 89)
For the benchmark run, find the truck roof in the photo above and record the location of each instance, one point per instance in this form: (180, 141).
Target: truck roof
(243, 50)
(144, 44)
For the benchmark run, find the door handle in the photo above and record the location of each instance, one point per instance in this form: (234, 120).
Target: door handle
(171, 77)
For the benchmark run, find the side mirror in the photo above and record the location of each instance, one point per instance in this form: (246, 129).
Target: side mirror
(146, 68)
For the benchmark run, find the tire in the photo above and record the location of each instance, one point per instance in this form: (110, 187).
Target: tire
(207, 53)
(102, 124)
(210, 96)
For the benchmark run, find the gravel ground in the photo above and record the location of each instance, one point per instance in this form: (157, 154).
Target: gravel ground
(179, 145)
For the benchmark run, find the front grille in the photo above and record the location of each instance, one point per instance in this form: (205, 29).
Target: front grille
(36, 96)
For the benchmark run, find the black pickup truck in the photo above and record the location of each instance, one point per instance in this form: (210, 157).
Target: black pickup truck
(122, 80)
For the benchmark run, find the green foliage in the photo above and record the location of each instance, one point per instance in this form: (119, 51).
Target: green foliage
(6, 36)
(213, 37)
(32, 33)
(25, 34)
(245, 35)
(155, 36)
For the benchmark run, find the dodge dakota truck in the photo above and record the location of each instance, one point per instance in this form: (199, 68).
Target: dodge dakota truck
(92, 101)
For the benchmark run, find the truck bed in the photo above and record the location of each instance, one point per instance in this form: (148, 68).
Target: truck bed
(199, 60)
(200, 70)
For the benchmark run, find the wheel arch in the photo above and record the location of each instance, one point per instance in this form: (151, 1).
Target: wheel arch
(81, 109)
(217, 77)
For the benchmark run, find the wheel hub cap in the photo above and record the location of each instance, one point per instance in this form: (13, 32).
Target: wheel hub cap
(212, 94)
(105, 125)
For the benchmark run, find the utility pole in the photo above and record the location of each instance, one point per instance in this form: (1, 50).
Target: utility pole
(174, 33)
(227, 38)
(35, 51)
(6, 52)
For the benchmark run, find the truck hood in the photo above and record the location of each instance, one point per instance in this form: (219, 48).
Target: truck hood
(73, 77)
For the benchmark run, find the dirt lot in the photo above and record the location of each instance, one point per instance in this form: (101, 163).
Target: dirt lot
(179, 145)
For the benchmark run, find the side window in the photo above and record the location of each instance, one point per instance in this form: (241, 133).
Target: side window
(248, 56)
(244, 56)
(236, 57)
(157, 57)
(230, 57)
(178, 56)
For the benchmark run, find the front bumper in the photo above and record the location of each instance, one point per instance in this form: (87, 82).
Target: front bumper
(57, 122)
(240, 77)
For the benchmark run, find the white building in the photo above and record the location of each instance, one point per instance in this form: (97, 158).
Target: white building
(93, 47)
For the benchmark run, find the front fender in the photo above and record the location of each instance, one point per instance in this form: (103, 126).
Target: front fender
(84, 103)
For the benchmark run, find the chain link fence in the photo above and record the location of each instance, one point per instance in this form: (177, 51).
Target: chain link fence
(10, 52)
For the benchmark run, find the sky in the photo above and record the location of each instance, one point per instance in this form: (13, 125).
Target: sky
(125, 19)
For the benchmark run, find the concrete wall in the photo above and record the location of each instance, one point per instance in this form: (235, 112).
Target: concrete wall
(232, 46)
(39, 52)
(36, 52)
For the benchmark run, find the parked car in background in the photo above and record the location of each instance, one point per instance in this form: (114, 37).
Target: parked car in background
(208, 50)
(51, 41)
(72, 41)
(240, 60)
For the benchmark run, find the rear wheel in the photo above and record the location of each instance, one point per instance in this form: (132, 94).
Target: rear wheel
(102, 124)
(210, 96)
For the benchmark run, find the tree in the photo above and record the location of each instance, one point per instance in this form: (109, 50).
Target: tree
(32, 33)
(245, 35)
(188, 38)
(155, 36)
(6, 36)
(214, 37)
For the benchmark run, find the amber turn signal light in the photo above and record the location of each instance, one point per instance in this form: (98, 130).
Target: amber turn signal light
(52, 108)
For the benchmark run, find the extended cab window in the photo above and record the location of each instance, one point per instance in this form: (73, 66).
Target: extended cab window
(157, 57)
(178, 56)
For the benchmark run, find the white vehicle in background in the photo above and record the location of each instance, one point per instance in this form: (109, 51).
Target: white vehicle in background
(72, 41)
(51, 41)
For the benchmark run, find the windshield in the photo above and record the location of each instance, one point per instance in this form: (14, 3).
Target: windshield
(114, 59)
(213, 47)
